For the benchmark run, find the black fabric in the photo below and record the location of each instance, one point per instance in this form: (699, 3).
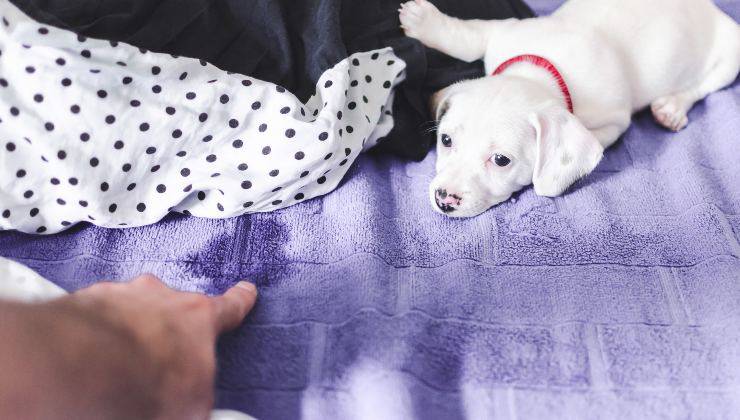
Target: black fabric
(288, 42)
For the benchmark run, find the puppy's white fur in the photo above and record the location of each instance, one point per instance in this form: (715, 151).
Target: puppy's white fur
(616, 56)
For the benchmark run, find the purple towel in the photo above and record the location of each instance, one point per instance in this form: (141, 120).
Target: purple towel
(620, 299)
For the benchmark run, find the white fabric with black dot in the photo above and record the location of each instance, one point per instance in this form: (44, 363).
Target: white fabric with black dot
(107, 133)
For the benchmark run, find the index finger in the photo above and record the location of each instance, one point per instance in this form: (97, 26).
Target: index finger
(234, 305)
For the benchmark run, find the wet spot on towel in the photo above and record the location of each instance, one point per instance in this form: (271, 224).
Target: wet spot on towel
(253, 251)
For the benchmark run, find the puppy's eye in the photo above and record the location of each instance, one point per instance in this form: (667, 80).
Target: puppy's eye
(501, 160)
(446, 140)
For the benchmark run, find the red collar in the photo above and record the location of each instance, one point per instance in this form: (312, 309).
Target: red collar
(545, 64)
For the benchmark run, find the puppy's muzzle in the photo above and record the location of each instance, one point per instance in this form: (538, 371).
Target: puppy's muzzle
(447, 202)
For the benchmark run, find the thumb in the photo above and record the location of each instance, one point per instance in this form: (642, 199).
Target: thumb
(234, 305)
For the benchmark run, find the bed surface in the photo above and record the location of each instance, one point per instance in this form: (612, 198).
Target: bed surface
(620, 299)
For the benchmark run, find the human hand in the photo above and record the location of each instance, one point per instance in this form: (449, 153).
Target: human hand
(117, 351)
(177, 333)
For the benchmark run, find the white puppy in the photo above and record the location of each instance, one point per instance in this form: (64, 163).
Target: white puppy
(500, 133)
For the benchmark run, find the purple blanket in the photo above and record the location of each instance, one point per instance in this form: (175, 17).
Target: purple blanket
(619, 299)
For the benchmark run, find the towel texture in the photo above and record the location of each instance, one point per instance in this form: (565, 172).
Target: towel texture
(617, 300)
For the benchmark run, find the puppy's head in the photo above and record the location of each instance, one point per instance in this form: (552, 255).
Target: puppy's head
(497, 135)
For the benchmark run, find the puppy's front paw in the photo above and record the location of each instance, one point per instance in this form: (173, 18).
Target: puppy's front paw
(670, 112)
(421, 20)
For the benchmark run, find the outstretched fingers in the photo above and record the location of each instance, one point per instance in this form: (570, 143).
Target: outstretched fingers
(233, 306)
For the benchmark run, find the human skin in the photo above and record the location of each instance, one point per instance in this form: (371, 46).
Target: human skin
(116, 351)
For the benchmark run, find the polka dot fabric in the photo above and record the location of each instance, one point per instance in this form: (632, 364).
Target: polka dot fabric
(107, 133)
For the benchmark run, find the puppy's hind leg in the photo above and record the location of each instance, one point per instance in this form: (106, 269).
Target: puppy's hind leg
(463, 39)
(672, 111)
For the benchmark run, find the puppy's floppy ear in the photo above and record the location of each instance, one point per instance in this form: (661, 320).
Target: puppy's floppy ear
(440, 102)
(566, 151)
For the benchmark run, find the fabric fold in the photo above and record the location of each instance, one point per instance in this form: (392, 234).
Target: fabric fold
(104, 132)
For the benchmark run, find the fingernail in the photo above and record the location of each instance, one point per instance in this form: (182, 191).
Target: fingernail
(250, 287)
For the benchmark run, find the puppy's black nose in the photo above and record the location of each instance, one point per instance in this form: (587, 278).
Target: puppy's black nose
(445, 201)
